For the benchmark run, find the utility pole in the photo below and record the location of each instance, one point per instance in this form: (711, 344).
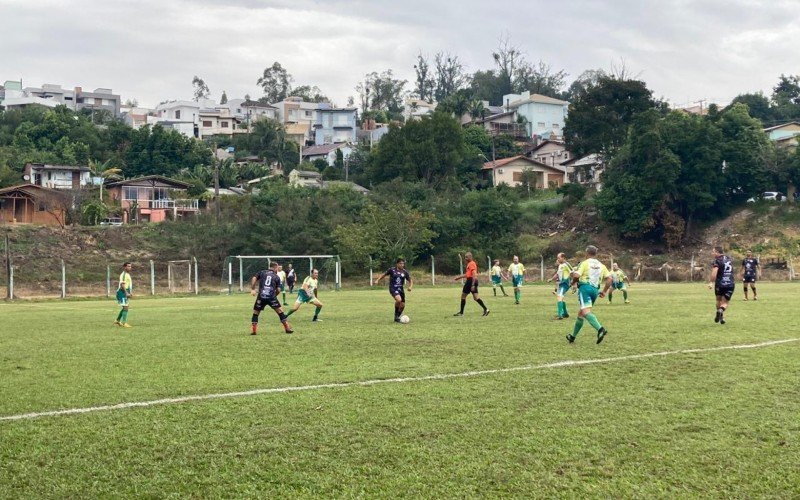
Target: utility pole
(216, 181)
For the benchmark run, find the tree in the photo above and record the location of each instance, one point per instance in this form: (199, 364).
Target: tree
(540, 79)
(309, 93)
(746, 153)
(424, 83)
(758, 105)
(450, 76)
(585, 80)
(224, 98)
(599, 117)
(201, 90)
(486, 86)
(104, 171)
(276, 83)
(508, 58)
(384, 233)
(382, 92)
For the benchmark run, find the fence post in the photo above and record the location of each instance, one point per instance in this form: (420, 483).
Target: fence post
(108, 281)
(489, 262)
(230, 276)
(541, 269)
(169, 278)
(241, 275)
(310, 265)
(152, 278)
(63, 280)
(691, 269)
(370, 270)
(338, 274)
(433, 270)
(196, 282)
(11, 282)
(461, 267)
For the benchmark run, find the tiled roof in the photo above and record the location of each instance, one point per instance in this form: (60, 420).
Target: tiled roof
(489, 165)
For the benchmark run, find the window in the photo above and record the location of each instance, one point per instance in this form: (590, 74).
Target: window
(540, 124)
(516, 176)
(308, 114)
(98, 101)
(177, 114)
(41, 206)
(207, 124)
(224, 124)
(555, 126)
(68, 98)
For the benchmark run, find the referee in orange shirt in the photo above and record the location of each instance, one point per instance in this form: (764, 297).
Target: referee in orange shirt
(470, 285)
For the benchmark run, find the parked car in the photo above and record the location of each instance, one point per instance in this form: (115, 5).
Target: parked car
(769, 196)
(111, 221)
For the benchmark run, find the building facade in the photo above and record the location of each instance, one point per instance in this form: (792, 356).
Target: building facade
(335, 125)
(511, 171)
(542, 115)
(57, 176)
(153, 198)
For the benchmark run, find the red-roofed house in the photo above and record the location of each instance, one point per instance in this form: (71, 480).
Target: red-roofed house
(509, 171)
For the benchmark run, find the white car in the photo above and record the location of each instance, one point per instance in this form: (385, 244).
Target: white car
(111, 221)
(769, 196)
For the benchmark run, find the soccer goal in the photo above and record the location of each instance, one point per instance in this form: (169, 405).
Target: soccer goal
(240, 268)
(182, 276)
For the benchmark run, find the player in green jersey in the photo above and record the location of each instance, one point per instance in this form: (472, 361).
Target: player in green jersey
(282, 275)
(517, 272)
(619, 281)
(589, 275)
(308, 293)
(562, 280)
(496, 274)
(124, 293)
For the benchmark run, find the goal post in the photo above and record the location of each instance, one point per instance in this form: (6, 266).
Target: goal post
(238, 269)
(182, 276)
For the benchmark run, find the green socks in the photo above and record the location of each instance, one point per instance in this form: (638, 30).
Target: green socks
(562, 308)
(578, 326)
(123, 316)
(517, 295)
(592, 319)
(502, 290)
(317, 311)
(610, 295)
(625, 294)
(291, 311)
(119, 316)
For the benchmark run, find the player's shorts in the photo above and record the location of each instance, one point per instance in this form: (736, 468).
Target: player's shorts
(563, 288)
(263, 302)
(468, 284)
(587, 294)
(290, 282)
(497, 280)
(394, 292)
(724, 291)
(303, 298)
(122, 298)
(749, 279)
(517, 280)
(620, 285)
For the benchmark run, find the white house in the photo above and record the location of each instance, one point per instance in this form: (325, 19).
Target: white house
(544, 116)
(550, 152)
(510, 171)
(57, 176)
(415, 108)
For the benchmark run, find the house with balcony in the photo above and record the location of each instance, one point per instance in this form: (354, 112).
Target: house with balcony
(551, 152)
(249, 111)
(219, 121)
(543, 116)
(510, 171)
(57, 176)
(335, 125)
(153, 198)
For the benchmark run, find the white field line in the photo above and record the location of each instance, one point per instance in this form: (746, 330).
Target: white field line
(398, 380)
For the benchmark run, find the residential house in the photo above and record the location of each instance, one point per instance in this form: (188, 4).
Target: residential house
(248, 111)
(779, 133)
(550, 152)
(510, 171)
(326, 152)
(415, 108)
(542, 115)
(32, 204)
(77, 99)
(183, 116)
(153, 198)
(298, 132)
(57, 176)
(295, 110)
(502, 123)
(335, 125)
(586, 170)
(14, 97)
(219, 121)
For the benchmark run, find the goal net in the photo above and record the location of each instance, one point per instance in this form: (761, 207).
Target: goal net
(239, 269)
(182, 276)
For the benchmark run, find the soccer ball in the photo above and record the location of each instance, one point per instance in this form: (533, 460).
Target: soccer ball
(404, 319)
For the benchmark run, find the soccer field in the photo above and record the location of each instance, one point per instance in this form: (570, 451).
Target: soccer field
(353, 406)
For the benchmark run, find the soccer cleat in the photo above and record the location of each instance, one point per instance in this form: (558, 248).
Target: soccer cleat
(721, 319)
(601, 334)
(117, 323)
(397, 320)
(285, 304)
(718, 317)
(627, 301)
(458, 314)
(557, 318)
(253, 333)
(288, 329)
(745, 299)
(566, 316)
(755, 298)
(125, 325)
(316, 320)
(486, 312)
(570, 338)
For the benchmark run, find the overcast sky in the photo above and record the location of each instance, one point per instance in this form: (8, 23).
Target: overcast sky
(150, 49)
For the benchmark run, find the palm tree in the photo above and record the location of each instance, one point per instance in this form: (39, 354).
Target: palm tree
(104, 171)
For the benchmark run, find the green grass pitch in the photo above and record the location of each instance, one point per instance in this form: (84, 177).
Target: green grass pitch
(721, 423)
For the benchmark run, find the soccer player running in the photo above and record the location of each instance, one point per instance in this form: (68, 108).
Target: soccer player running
(562, 279)
(589, 275)
(307, 293)
(496, 274)
(619, 281)
(470, 285)
(398, 276)
(517, 272)
(722, 282)
(750, 269)
(124, 293)
(291, 278)
(282, 275)
(264, 285)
